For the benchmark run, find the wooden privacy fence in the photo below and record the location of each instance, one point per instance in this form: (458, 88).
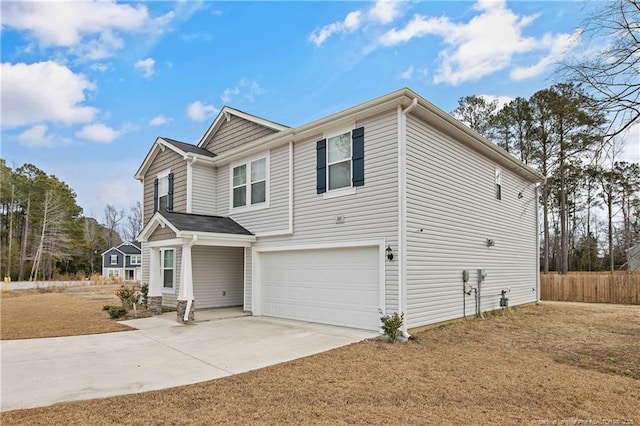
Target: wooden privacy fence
(591, 287)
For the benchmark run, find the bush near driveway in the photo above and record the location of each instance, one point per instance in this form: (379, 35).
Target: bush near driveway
(549, 363)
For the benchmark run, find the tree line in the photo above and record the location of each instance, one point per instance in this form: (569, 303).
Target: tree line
(561, 132)
(43, 234)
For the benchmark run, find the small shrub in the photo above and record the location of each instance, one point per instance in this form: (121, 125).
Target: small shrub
(106, 307)
(116, 312)
(128, 295)
(144, 292)
(391, 325)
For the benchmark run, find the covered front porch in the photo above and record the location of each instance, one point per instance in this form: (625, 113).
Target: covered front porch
(195, 260)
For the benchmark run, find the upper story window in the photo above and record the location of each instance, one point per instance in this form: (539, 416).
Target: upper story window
(340, 161)
(163, 192)
(249, 183)
(136, 259)
(498, 183)
(114, 259)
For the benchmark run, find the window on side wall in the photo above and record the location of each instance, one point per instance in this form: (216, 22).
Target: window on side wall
(498, 183)
(114, 259)
(163, 192)
(340, 162)
(135, 259)
(167, 269)
(249, 183)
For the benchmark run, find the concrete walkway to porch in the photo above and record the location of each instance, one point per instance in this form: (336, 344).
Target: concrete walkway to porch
(160, 354)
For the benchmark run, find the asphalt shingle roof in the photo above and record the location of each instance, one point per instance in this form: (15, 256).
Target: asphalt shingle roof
(129, 248)
(204, 223)
(187, 147)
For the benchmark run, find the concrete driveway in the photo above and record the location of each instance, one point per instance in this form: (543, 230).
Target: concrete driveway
(160, 354)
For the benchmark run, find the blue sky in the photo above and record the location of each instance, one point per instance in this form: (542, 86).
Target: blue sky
(87, 87)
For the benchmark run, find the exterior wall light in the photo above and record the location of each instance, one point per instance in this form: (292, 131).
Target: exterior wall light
(389, 253)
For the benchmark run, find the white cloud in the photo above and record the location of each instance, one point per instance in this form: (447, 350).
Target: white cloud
(228, 94)
(632, 144)
(558, 45)
(146, 66)
(101, 67)
(502, 100)
(36, 137)
(88, 29)
(98, 132)
(351, 23)
(246, 88)
(385, 11)
(43, 91)
(199, 111)
(483, 45)
(159, 120)
(407, 74)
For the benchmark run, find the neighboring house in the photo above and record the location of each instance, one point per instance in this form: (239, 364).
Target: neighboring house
(124, 261)
(379, 207)
(634, 258)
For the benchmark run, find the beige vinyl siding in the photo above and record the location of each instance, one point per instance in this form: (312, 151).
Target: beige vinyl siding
(248, 288)
(203, 181)
(235, 132)
(167, 160)
(451, 212)
(218, 270)
(370, 213)
(145, 262)
(162, 234)
(276, 216)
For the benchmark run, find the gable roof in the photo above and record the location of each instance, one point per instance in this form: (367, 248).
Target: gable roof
(407, 100)
(186, 150)
(223, 116)
(129, 248)
(111, 249)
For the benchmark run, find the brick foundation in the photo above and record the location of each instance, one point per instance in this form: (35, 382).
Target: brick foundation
(182, 307)
(154, 304)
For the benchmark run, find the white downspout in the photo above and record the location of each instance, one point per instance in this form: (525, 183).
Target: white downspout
(537, 245)
(402, 209)
(190, 163)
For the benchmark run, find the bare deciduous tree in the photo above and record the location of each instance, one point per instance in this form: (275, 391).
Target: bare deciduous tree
(612, 74)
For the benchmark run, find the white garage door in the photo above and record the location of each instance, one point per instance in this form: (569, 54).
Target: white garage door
(329, 286)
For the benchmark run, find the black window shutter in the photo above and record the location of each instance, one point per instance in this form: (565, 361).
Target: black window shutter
(321, 166)
(155, 195)
(357, 136)
(170, 193)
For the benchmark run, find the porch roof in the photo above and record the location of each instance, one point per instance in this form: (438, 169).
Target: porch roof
(204, 223)
(190, 227)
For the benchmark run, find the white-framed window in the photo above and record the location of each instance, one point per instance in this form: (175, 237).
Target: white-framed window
(339, 161)
(163, 190)
(136, 259)
(250, 183)
(113, 259)
(168, 269)
(498, 183)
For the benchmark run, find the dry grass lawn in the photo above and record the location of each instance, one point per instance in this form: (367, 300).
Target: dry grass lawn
(53, 312)
(556, 362)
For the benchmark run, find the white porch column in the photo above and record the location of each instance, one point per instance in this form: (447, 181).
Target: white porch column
(154, 296)
(155, 281)
(186, 283)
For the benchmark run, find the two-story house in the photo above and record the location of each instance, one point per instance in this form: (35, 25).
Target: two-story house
(124, 261)
(380, 207)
